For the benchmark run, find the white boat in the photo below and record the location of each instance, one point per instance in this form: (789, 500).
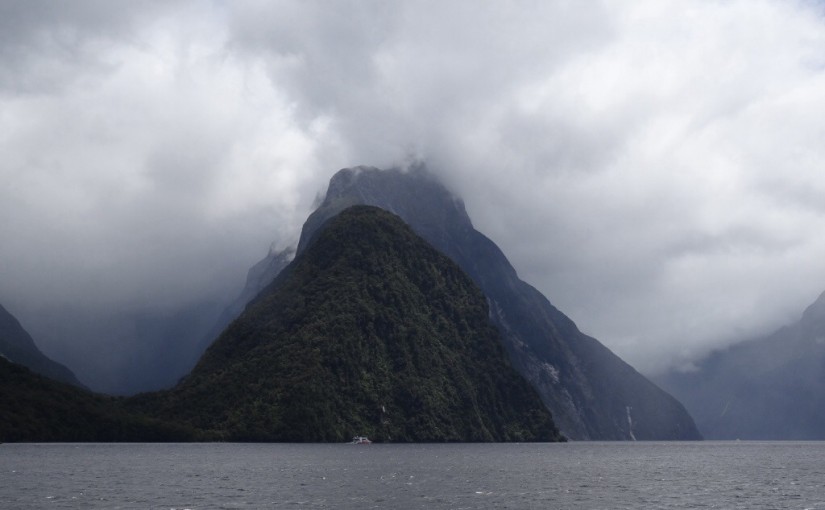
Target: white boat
(360, 440)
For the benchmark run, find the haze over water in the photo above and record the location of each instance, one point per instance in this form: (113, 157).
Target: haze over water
(572, 475)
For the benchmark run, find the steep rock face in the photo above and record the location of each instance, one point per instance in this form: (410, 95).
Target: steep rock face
(368, 331)
(18, 346)
(767, 388)
(591, 392)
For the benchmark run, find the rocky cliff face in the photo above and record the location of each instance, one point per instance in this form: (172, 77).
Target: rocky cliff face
(18, 346)
(591, 392)
(766, 388)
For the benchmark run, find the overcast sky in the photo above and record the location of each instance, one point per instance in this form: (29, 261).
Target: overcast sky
(656, 169)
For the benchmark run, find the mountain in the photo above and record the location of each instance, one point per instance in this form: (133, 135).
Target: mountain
(36, 408)
(18, 346)
(766, 388)
(370, 331)
(591, 392)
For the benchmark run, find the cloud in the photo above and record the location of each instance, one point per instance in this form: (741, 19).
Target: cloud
(654, 169)
(153, 169)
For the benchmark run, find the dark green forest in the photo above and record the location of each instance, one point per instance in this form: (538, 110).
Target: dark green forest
(35, 408)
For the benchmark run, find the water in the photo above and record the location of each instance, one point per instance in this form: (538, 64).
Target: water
(573, 475)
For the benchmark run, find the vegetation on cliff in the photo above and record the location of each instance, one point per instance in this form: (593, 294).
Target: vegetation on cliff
(369, 331)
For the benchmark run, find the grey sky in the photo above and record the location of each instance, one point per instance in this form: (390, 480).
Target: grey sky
(655, 168)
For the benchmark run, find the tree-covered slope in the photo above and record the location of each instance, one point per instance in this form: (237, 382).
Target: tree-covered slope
(36, 408)
(592, 393)
(17, 345)
(369, 331)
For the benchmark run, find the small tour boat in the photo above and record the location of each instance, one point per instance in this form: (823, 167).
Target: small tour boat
(360, 440)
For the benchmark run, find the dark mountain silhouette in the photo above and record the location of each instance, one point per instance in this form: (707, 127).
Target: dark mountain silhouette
(36, 408)
(591, 392)
(767, 388)
(18, 346)
(371, 331)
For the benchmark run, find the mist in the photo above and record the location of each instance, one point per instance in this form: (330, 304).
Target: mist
(655, 170)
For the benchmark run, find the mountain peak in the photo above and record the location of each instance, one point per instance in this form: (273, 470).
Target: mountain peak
(369, 331)
(344, 178)
(587, 388)
(413, 193)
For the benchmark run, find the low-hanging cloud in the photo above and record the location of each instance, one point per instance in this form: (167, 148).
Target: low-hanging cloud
(655, 169)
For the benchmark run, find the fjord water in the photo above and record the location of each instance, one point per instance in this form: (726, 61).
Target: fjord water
(569, 475)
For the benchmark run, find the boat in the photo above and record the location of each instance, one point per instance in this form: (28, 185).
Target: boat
(360, 440)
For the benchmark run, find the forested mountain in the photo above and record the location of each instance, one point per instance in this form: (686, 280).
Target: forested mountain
(371, 331)
(591, 392)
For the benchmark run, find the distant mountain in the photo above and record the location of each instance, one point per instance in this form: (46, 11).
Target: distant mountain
(767, 388)
(39, 409)
(129, 350)
(591, 392)
(370, 331)
(18, 346)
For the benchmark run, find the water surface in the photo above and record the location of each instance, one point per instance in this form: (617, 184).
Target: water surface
(571, 475)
